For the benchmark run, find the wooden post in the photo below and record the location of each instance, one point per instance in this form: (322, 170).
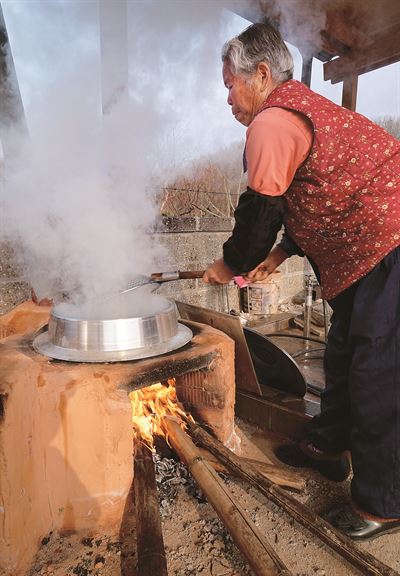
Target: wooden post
(258, 552)
(361, 559)
(150, 544)
(349, 94)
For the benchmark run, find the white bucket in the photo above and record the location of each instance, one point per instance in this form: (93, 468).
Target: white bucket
(261, 298)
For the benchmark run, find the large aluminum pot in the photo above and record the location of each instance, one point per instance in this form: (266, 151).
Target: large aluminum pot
(73, 337)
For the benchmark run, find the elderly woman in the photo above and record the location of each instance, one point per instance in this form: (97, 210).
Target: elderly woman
(333, 178)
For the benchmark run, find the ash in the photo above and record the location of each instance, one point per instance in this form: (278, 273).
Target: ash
(171, 475)
(183, 504)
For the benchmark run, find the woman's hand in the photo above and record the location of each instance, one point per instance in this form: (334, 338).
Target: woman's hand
(269, 265)
(218, 273)
(261, 272)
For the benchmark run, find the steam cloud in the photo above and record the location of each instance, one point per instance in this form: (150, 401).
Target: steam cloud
(77, 197)
(78, 194)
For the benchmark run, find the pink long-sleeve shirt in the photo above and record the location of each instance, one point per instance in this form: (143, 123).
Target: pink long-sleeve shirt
(277, 142)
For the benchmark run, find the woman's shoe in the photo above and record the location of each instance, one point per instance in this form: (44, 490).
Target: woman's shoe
(305, 455)
(357, 527)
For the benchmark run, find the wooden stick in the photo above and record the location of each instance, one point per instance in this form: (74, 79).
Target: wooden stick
(258, 552)
(275, 473)
(150, 544)
(344, 546)
(191, 274)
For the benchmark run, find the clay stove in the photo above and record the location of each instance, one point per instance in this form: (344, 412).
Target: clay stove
(65, 429)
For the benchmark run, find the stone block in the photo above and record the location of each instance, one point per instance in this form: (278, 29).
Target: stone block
(12, 294)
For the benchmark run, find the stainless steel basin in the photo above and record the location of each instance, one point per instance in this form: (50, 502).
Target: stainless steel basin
(73, 338)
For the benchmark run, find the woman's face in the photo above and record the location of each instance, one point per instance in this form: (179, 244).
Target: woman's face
(245, 95)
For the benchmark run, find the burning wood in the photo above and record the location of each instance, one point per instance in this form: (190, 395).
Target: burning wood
(149, 406)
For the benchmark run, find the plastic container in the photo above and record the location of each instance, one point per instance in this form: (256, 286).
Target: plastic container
(261, 298)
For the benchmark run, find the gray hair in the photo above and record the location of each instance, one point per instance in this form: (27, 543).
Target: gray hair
(259, 42)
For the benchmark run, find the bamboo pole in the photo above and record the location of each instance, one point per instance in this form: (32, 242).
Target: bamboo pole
(150, 544)
(344, 546)
(258, 552)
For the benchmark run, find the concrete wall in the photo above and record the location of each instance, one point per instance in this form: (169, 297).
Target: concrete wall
(13, 290)
(192, 244)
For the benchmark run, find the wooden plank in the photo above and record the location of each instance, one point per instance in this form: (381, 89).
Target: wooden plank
(262, 456)
(246, 378)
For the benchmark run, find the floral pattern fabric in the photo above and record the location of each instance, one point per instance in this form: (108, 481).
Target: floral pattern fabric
(343, 205)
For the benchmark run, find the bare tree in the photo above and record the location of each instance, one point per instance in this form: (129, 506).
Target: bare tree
(208, 187)
(391, 124)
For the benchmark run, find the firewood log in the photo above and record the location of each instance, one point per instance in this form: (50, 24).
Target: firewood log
(150, 544)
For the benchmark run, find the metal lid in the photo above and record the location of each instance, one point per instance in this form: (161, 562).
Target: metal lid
(44, 346)
(73, 337)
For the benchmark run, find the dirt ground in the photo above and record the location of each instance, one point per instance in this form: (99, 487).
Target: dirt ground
(196, 542)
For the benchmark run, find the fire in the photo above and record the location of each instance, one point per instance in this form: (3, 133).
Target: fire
(149, 407)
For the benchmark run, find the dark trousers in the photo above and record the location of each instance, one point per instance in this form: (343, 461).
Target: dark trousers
(360, 407)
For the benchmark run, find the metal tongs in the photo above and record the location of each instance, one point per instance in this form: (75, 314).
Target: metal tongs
(159, 277)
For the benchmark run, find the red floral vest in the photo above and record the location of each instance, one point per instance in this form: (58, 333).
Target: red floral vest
(343, 206)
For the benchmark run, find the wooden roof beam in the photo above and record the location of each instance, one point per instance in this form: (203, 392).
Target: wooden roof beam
(326, 49)
(382, 52)
(344, 25)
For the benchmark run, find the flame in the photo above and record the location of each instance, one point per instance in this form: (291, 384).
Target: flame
(149, 407)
